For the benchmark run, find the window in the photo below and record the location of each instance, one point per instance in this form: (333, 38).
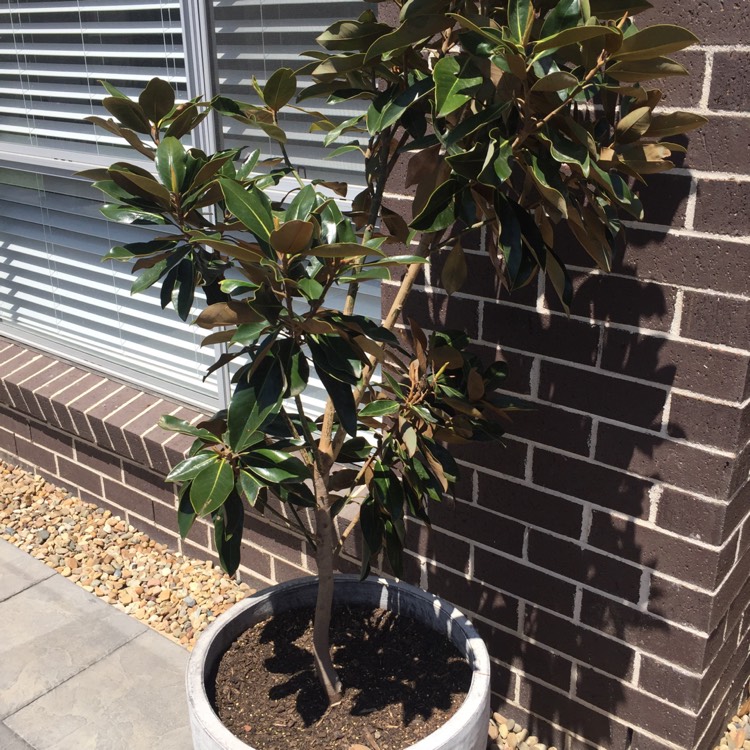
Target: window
(54, 290)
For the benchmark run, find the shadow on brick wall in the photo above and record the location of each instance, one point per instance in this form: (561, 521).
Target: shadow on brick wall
(565, 607)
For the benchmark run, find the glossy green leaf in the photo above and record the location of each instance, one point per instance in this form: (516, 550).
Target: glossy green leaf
(502, 161)
(557, 81)
(302, 204)
(520, 18)
(251, 207)
(633, 125)
(144, 186)
(212, 486)
(276, 466)
(343, 401)
(565, 15)
(408, 33)
(312, 289)
(228, 527)
(635, 71)
(380, 408)
(129, 215)
(280, 88)
(169, 422)
(351, 36)
(190, 467)
(171, 162)
(674, 123)
(113, 90)
(186, 515)
(615, 9)
(655, 41)
(341, 250)
(387, 109)
(157, 99)
(439, 211)
(249, 487)
(248, 333)
(611, 38)
(128, 112)
(454, 84)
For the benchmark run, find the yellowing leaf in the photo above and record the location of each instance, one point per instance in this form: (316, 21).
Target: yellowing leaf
(655, 41)
(292, 237)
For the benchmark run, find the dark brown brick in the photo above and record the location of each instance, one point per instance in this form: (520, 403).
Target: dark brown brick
(471, 596)
(592, 482)
(15, 422)
(738, 581)
(557, 428)
(701, 369)
(8, 441)
(438, 311)
(720, 146)
(432, 544)
(255, 560)
(572, 561)
(129, 499)
(535, 661)
(275, 540)
(101, 412)
(550, 335)
(617, 299)
(678, 603)
(507, 456)
(634, 706)
(720, 22)
(600, 728)
(665, 199)
(723, 207)
(30, 375)
(140, 426)
(729, 88)
(676, 686)
(115, 423)
(283, 571)
(719, 320)
(177, 449)
(99, 460)
(717, 264)
(479, 525)
(685, 91)
(671, 555)
(80, 476)
(36, 455)
(103, 390)
(530, 505)
(519, 366)
(582, 644)
(643, 630)
(54, 440)
(149, 483)
(50, 380)
(653, 456)
(524, 582)
(691, 516)
(44, 394)
(705, 422)
(68, 395)
(601, 394)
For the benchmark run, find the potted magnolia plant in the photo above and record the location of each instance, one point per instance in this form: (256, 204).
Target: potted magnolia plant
(515, 119)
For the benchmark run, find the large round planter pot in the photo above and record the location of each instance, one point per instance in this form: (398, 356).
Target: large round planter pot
(465, 730)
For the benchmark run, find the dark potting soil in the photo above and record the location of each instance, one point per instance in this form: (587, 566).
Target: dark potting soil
(401, 682)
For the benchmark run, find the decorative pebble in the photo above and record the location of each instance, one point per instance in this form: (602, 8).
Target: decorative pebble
(104, 555)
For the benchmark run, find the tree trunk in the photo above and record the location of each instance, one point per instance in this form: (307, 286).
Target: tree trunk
(321, 625)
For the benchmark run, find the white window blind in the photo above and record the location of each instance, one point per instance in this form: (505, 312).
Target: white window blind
(55, 289)
(255, 38)
(53, 55)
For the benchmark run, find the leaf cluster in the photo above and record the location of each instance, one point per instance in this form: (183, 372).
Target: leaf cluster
(515, 118)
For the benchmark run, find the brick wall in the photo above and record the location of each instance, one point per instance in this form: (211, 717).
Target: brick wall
(604, 550)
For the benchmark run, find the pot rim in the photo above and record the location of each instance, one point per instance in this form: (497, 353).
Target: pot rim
(473, 649)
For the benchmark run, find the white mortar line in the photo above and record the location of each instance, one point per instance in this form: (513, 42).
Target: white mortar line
(593, 437)
(692, 202)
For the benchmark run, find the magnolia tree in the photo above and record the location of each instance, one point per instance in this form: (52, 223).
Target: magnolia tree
(514, 117)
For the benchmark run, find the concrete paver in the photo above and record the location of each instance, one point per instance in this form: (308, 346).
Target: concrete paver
(9, 740)
(19, 571)
(77, 674)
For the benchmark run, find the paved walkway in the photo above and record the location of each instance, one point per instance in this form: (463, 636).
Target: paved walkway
(78, 674)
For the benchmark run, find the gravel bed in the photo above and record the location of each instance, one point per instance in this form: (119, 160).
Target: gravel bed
(174, 594)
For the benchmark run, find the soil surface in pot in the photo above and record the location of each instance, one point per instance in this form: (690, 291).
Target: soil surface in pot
(402, 681)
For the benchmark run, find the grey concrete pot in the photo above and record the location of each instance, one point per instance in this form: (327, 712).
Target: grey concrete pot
(465, 730)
